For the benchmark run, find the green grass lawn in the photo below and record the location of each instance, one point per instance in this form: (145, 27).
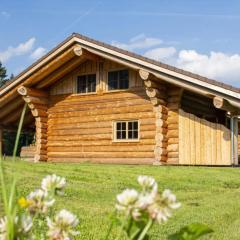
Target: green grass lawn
(208, 195)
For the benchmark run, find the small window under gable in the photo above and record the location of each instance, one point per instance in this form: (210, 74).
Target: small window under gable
(86, 83)
(126, 130)
(118, 79)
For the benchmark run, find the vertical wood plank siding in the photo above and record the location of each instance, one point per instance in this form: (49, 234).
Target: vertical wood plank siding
(202, 142)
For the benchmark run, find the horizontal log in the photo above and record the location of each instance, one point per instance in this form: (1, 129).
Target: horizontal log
(155, 93)
(31, 92)
(39, 113)
(173, 155)
(172, 121)
(82, 106)
(161, 123)
(143, 74)
(37, 106)
(173, 126)
(102, 154)
(172, 148)
(98, 118)
(173, 140)
(173, 160)
(96, 137)
(100, 124)
(158, 151)
(38, 158)
(105, 130)
(110, 160)
(37, 100)
(106, 111)
(93, 98)
(156, 101)
(172, 134)
(82, 143)
(223, 104)
(110, 148)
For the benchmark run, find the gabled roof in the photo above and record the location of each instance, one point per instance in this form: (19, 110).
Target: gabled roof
(176, 75)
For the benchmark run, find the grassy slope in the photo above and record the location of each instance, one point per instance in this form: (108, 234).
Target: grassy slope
(208, 195)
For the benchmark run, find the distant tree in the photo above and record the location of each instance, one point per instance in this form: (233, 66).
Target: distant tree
(11, 77)
(3, 75)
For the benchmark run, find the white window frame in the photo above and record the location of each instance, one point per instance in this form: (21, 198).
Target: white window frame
(117, 70)
(127, 139)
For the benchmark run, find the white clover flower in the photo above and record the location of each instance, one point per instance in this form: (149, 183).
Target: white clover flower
(23, 226)
(39, 201)
(3, 228)
(162, 207)
(170, 199)
(61, 227)
(146, 182)
(53, 183)
(126, 200)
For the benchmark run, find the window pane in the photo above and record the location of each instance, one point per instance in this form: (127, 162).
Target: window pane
(130, 125)
(123, 125)
(113, 80)
(124, 135)
(119, 126)
(91, 86)
(135, 125)
(123, 79)
(130, 134)
(81, 84)
(119, 135)
(135, 134)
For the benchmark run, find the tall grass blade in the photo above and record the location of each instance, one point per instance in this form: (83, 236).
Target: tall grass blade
(19, 131)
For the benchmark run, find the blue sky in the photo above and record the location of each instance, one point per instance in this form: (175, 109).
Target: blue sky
(200, 36)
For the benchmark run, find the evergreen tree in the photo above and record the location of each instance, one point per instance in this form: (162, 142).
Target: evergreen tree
(3, 75)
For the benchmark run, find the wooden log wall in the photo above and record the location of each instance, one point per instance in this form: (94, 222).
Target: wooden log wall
(37, 101)
(80, 126)
(173, 104)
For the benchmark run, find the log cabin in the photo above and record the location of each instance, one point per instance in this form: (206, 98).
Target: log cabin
(88, 101)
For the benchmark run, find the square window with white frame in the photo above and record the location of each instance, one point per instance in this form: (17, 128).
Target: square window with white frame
(118, 79)
(126, 130)
(86, 83)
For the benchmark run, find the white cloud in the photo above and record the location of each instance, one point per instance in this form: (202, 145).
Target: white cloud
(216, 65)
(138, 42)
(21, 49)
(160, 54)
(38, 52)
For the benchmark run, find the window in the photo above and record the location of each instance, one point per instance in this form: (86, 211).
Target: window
(118, 80)
(126, 130)
(86, 83)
